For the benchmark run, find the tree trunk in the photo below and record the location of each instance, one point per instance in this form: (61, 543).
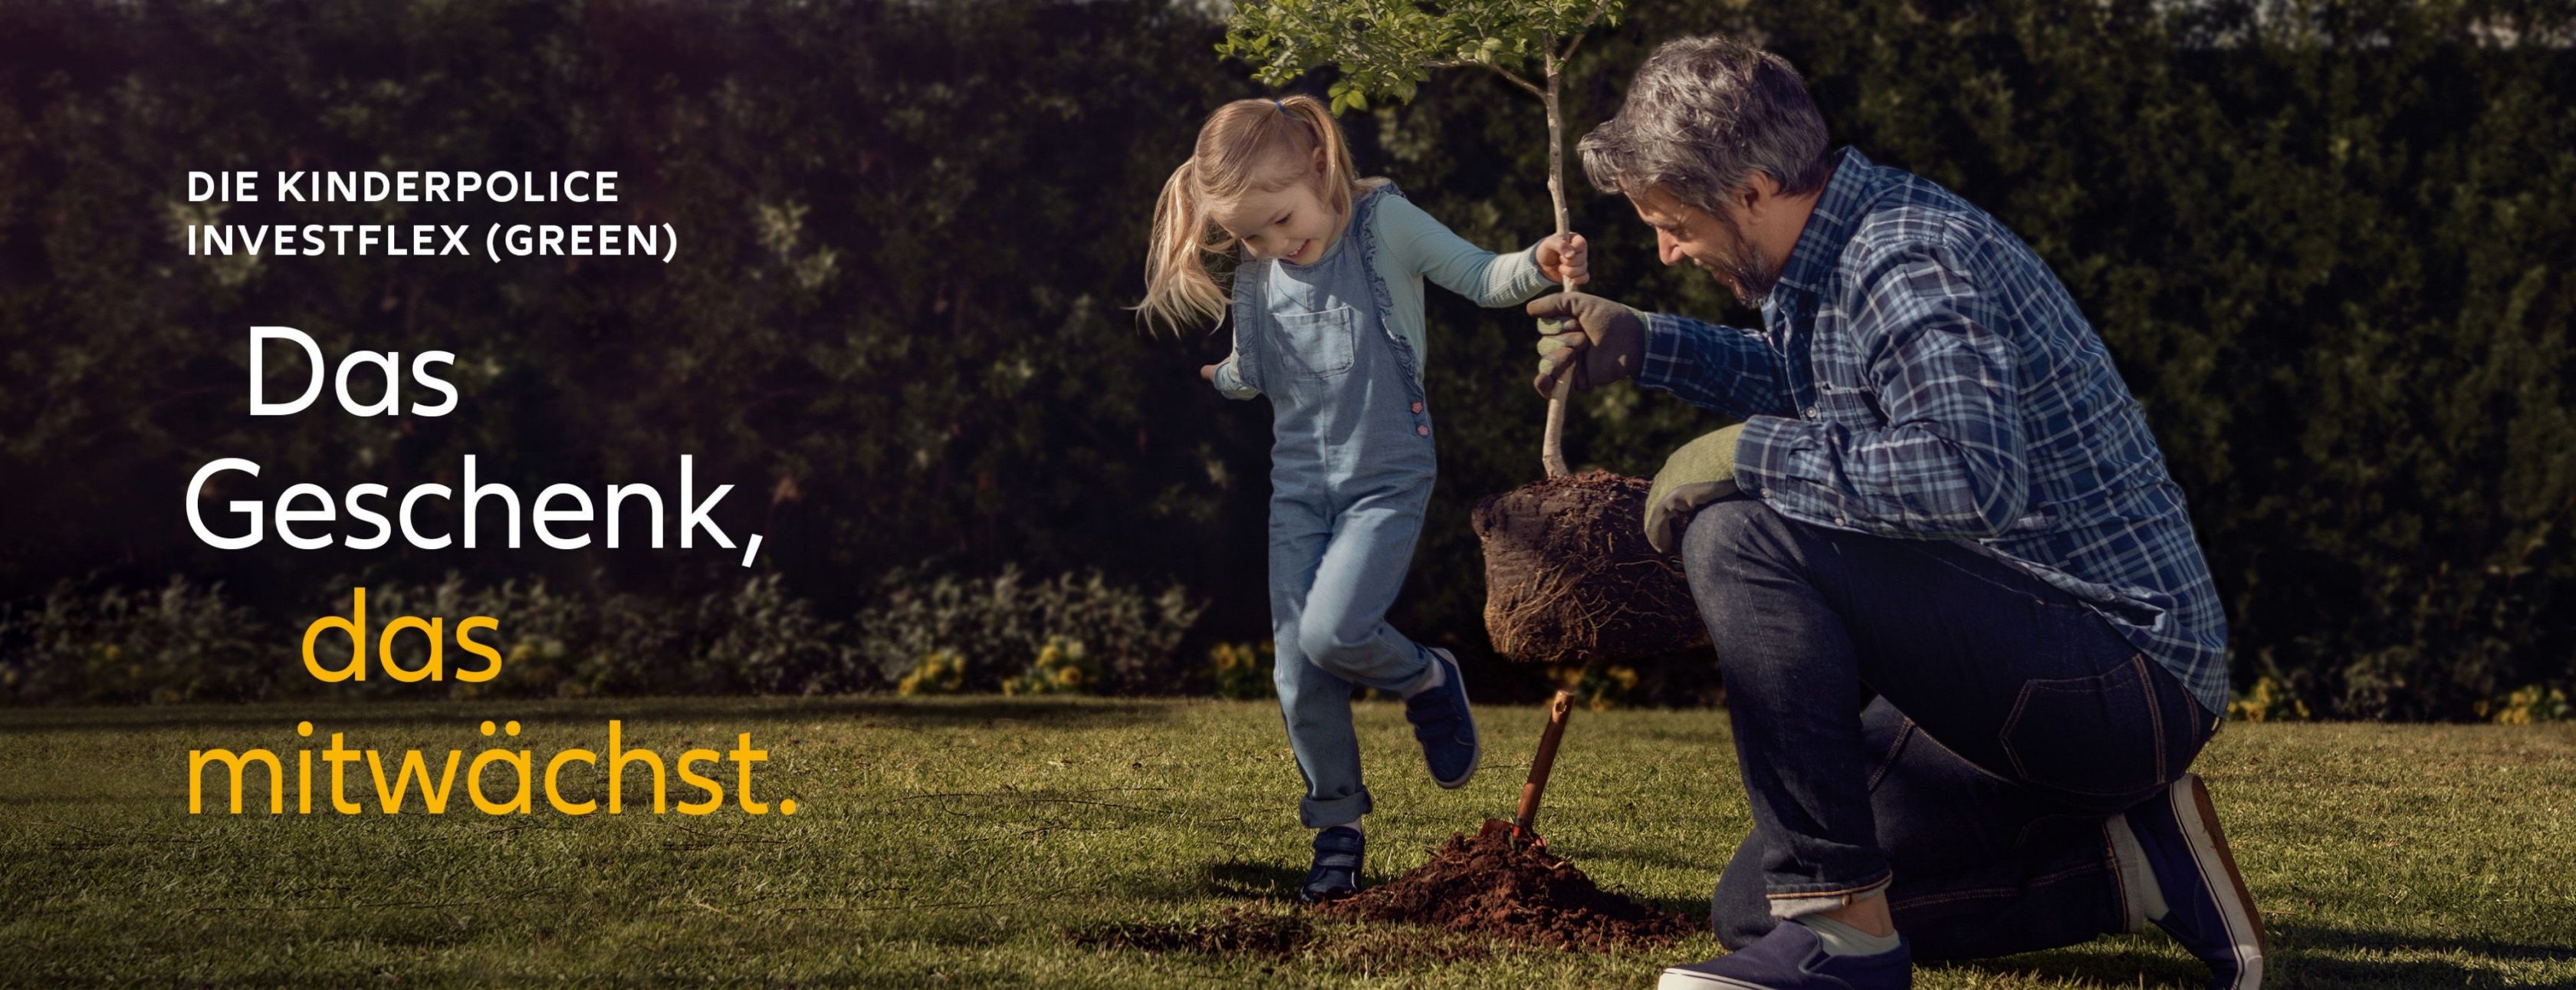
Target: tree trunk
(1552, 442)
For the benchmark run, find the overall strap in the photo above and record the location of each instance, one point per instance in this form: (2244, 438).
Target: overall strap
(1250, 279)
(1366, 209)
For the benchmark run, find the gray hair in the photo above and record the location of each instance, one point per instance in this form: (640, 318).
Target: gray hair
(1703, 115)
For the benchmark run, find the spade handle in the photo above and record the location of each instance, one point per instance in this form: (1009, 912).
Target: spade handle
(1558, 710)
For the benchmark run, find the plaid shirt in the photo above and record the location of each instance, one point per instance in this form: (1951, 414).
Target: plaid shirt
(1925, 376)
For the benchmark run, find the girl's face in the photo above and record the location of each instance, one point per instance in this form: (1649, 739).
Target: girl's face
(1291, 223)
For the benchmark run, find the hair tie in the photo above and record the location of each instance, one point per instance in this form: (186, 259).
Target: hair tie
(1283, 107)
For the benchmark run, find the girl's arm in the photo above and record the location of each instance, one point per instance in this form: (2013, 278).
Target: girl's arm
(1229, 381)
(1227, 375)
(1424, 245)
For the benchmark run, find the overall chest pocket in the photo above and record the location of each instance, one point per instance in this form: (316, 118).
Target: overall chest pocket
(1316, 345)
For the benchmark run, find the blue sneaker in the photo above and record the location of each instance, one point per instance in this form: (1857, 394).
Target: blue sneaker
(2207, 907)
(1792, 957)
(1336, 873)
(1444, 725)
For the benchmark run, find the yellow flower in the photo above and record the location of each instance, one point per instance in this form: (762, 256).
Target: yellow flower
(937, 672)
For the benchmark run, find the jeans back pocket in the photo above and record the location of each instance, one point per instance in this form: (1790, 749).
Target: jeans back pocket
(1317, 345)
(2099, 736)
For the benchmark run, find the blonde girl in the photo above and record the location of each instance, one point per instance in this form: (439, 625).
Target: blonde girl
(1326, 305)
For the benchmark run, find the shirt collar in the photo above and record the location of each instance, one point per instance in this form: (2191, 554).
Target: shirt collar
(1830, 226)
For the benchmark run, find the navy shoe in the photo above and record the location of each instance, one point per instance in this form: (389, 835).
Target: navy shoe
(2207, 907)
(1444, 725)
(1336, 873)
(1792, 957)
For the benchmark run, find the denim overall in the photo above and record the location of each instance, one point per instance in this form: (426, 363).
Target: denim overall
(1351, 470)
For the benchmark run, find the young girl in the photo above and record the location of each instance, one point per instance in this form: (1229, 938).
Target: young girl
(1327, 310)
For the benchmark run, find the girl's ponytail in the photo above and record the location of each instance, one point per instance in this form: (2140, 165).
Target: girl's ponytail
(1246, 145)
(1179, 291)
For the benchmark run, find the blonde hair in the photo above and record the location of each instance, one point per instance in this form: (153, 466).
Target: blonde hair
(1247, 146)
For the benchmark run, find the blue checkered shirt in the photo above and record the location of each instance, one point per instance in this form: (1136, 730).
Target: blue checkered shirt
(1923, 375)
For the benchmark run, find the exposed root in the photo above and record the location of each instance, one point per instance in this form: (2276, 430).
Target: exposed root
(1570, 578)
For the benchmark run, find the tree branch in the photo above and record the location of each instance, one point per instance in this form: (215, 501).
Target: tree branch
(1576, 39)
(1516, 80)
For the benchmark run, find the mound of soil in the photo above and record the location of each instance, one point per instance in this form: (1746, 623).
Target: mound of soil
(1570, 578)
(1489, 886)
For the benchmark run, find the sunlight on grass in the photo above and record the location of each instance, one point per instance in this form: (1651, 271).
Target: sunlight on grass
(977, 840)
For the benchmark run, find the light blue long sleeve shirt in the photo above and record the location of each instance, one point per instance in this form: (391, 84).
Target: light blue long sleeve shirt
(1411, 246)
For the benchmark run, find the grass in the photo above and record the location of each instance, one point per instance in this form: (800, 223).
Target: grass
(986, 841)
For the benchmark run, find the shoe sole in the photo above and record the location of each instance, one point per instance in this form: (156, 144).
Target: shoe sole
(2217, 866)
(1683, 979)
(1478, 759)
(1338, 895)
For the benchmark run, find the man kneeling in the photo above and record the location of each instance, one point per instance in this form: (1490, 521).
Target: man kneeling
(1969, 642)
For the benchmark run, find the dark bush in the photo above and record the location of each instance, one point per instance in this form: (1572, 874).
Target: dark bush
(997, 626)
(180, 642)
(2325, 241)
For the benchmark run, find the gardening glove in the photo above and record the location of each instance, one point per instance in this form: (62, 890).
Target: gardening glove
(1701, 472)
(1591, 339)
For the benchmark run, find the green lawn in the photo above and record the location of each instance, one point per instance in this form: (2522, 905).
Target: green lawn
(988, 841)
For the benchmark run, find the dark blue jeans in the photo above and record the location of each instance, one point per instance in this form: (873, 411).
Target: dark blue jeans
(1919, 715)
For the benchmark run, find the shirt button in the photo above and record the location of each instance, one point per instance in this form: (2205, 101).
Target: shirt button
(1417, 407)
(1811, 412)
(1422, 430)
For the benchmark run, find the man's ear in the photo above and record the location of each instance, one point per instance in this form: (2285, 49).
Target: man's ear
(1757, 194)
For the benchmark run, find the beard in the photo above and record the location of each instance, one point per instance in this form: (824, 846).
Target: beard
(1743, 266)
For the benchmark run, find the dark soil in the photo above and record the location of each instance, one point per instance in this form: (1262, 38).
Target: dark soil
(1492, 887)
(1570, 578)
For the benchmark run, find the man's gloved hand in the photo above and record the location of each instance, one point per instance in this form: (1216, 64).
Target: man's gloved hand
(1592, 339)
(1699, 473)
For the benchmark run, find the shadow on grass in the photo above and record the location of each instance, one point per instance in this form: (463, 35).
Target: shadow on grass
(2127, 968)
(1253, 881)
(2300, 936)
(2300, 956)
(896, 712)
(1694, 908)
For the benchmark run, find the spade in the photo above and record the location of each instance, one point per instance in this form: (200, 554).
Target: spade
(1523, 827)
